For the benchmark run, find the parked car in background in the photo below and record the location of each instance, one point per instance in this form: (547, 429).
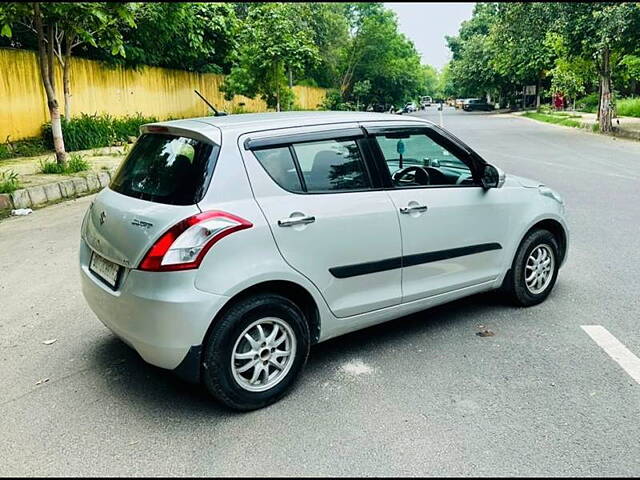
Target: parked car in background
(426, 101)
(459, 102)
(224, 247)
(477, 104)
(409, 107)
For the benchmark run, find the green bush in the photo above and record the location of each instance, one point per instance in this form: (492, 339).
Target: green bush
(9, 182)
(76, 163)
(28, 147)
(51, 166)
(95, 131)
(628, 107)
(588, 104)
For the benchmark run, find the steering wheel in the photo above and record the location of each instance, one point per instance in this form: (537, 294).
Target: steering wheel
(421, 176)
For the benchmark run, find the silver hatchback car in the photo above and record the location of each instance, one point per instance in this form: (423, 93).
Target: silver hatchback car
(225, 247)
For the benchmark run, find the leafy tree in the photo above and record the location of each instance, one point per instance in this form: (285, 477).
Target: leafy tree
(379, 53)
(57, 29)
(519, 50)
(472, 69)
(571, 75)
(270, 45)
(430, 81)
(328, 26)
(596, 31)
(196, 37)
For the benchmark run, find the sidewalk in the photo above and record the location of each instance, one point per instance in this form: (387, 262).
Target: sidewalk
(43, 189)
(624, 127)
(628, 127)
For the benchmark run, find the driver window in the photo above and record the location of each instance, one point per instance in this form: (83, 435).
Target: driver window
(416, 160)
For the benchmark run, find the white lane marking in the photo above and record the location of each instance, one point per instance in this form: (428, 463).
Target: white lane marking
(615, 349)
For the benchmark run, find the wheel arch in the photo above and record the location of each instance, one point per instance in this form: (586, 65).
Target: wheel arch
(288, 289)
(558, 231)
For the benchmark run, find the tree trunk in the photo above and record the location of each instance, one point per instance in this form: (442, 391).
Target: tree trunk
(66, 79)
(538, 93)
(47, 72)
(605, 110)
(277, 80)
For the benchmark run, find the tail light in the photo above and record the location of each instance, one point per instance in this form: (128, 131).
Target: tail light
(185, 244)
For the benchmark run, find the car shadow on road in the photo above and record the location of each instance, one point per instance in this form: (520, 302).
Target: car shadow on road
(127, 378)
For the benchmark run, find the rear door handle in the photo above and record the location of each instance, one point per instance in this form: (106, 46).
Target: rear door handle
(414, 208)
(290, 222)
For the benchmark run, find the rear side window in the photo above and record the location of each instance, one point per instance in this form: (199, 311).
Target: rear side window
(167, 169)
(331, 165)
(279, 164)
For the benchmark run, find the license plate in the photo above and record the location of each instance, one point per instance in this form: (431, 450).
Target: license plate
(103, 268)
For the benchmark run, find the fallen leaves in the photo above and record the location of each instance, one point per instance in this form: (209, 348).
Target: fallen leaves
(49, 342)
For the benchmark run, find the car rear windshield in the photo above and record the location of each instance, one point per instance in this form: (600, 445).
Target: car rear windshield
(167, 169)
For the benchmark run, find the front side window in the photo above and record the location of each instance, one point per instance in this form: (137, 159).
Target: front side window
(415, 160)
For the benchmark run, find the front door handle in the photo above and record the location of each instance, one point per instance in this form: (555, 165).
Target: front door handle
(414, 208)
(290, 222)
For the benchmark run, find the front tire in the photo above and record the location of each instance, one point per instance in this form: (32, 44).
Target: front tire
(256, 352)
(534, 270)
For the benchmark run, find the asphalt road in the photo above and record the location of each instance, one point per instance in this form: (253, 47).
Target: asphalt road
(423, 395)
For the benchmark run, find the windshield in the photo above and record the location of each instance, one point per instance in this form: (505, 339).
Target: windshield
(166, 168)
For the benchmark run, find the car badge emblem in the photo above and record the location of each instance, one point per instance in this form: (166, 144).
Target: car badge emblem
(103, 217)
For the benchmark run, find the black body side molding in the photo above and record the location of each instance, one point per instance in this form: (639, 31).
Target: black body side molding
(357, 269)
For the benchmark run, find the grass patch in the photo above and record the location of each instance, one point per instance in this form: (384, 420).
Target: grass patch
(564, 120)
(629, 107)
(29, 147)
(76, 163)
(9, 182)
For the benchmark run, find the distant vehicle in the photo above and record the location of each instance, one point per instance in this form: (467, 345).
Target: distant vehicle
(409, 107)
(426, 101)
(472, 104)
(459, 102)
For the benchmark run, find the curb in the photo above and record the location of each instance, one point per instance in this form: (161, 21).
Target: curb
(50, 193)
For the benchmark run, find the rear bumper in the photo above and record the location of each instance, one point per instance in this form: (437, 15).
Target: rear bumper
(162, 315)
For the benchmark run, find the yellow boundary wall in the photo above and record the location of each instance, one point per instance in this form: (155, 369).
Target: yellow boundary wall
(95, 88)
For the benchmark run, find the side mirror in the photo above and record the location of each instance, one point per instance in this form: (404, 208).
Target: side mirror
(492, 177)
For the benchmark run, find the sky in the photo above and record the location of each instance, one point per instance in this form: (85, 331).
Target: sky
(426, 24)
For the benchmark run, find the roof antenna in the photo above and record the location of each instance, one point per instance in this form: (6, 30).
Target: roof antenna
(216, 113)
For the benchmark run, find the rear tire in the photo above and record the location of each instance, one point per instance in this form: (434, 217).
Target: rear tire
(250, 373)
(534, 270)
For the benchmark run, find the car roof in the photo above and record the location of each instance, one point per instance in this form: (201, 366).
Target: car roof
(272, 120)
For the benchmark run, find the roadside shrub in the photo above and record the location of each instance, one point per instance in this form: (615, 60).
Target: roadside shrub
(9, 182)
(51, 166)
(94, 131)
(27, 147)
(588, 104)
(628, 107)
(77, 163)
(126, 127)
